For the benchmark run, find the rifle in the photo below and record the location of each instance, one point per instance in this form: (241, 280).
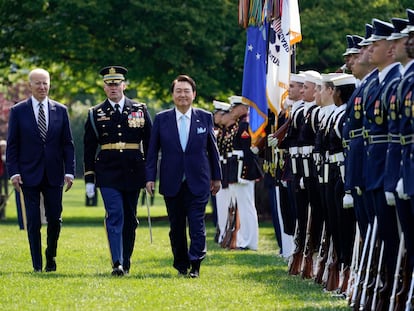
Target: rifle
(232, 226)
(367, 270)
(397, 271)
(378, 278)
(360, 268)
(296, 259)
(408, 305)
(322, 256)
(329, 260)
(307, 262)
(354, 264)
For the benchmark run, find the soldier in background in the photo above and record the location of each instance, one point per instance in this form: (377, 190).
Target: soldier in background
(248, 171)
(375, 123)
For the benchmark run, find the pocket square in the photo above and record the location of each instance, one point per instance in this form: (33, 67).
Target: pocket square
(201, 130)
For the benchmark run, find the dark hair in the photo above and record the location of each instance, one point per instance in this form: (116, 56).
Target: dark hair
(183, 78)
(345, 91)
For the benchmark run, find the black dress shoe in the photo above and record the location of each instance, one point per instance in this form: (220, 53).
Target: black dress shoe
(37, 270)
(50, 264)
(194, 273)
(118, 270)
(182, 273)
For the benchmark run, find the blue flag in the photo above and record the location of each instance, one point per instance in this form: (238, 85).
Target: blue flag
(254, 78)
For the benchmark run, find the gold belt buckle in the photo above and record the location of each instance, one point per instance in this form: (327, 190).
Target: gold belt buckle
(120, 145)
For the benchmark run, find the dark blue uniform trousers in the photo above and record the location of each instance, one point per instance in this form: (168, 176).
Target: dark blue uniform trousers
(121, 223)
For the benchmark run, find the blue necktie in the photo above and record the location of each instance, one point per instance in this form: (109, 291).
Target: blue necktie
(183, 131)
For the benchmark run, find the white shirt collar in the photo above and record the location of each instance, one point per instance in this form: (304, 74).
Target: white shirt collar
(178, 114)
(121, 103)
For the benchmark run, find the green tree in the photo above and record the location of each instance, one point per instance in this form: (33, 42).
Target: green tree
(155, 40)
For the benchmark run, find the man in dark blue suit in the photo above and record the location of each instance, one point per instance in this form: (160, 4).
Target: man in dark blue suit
(40, 159)
(189, 170)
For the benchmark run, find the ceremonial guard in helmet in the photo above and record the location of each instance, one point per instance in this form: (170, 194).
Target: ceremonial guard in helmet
(116, 139)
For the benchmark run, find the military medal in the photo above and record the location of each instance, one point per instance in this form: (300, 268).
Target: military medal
(407, 105)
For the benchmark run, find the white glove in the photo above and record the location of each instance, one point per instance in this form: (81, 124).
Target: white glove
(400, 190)
(90, 190)
(348, 201)
(284, 183)
(302, 184)
(390, 197)
(272, 141)
(254, 149)
(359, 191)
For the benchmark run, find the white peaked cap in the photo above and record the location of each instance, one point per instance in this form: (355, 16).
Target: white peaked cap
(218, 105)
(236, 100)
(297, 77)
(313, 76)
(343, 79)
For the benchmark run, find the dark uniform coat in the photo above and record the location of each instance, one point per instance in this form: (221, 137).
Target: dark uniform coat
(122, 169)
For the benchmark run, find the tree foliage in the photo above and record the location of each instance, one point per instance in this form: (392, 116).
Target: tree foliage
(155, 40)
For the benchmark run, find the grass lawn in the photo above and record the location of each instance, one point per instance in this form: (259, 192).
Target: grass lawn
(229, 280)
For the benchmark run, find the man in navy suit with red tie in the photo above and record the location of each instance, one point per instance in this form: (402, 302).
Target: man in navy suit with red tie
(189, 171)
(41, 159)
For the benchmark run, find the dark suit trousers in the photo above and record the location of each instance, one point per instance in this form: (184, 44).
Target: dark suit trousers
(53, 209)
(182, 208)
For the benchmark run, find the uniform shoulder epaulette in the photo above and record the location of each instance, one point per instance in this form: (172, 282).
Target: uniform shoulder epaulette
(139, 104)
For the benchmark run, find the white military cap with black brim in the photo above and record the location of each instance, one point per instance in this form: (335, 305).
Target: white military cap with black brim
(368, 33)
(410, 26)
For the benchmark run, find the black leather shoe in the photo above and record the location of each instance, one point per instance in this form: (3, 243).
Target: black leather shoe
(182, 273)
(50, 264)
(37, 270)
(195, 269)
(194, 273)
(118, 270)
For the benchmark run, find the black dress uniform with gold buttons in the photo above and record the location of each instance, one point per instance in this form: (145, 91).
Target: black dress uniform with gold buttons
(115, 144)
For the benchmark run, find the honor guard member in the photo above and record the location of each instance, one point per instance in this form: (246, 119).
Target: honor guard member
(399, 127)
(248, 172)
(292, 167)
(376, 139)
(283, 173)
(223, 196)
(405, 186)
(360, 67)
(344, 219)
(355, 195)
(116, 139)
(324, 99)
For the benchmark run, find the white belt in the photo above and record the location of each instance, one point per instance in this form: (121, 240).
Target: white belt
(337, 157)
(238, 153)
(293, 151)
(307, 150)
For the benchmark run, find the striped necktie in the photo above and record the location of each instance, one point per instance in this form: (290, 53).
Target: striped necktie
(41, 122)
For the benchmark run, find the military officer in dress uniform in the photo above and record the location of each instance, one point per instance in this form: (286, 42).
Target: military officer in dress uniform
(376, 142)
(221, 117)
(248, 171)
(399, 126)
(116, 139)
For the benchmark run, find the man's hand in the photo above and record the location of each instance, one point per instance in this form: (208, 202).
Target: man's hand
(68, 182)
(17, 181)
(150, 186)
(90, 190)
(215, 186)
